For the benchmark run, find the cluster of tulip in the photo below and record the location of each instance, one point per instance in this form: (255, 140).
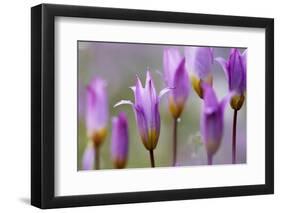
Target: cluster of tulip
(194, 69)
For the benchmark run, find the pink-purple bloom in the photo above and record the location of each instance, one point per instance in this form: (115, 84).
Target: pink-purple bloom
(199, 62)
(146, 109)
(97, 111)
(212, 120)
(119, 140)
(176, 77)
(88, 158)
(235, 71)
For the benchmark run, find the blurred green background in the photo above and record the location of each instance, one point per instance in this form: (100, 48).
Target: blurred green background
(118, 64)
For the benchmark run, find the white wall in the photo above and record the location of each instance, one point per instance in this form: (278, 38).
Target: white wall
(15, 105)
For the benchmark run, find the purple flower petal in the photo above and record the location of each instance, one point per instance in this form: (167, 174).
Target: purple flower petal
(146, 111)
(212, 120)
(210, 99)
(244, 59)
(199, 61)
(176, 77)
(88, 158)
(139, 93)
(142, 124)
(163, 92)
(97, 106)
(119, 140)
(181, 79)
(235, 70)
(171, 60)
(123, 102)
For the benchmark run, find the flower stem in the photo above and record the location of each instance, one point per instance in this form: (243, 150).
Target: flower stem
(175, 141)
(97, 158)
(234, 137)
(210, 159)
(152, 158)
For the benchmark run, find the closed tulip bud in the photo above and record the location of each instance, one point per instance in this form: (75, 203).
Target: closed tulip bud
(176, 77)
(119, 141)
(199, 62)
(212, 121)
(235, 72)
(97, 111)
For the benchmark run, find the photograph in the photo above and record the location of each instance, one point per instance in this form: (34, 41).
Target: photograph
(160, 105)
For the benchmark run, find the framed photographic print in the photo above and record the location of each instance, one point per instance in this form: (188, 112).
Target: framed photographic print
(140, 106)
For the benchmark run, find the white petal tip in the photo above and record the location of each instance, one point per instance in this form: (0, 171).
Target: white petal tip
(122, 102)
(133, 88)
(164, 91)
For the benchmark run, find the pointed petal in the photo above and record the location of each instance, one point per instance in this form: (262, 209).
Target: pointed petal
(199, 61)
(189, 53)
(149, 100)
(181, 82)
(157, 121)
(236, 70)
(97, 105)
(150, 87)
(210, 99)
(148, 79)
(139, 93)
(124, 102)
(133, 88)
(171, 60)
(141, 123)
(150, 91)
(163, 92)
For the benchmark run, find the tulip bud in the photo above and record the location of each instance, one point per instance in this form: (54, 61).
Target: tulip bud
(199, 62)
(176, 77)
(235, 72)
(119, 140)
(212, 122)
(97, 111)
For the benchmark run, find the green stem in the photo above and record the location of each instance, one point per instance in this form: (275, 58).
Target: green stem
(152, 158)
(175, 142)
(234, 137)
(97, 157)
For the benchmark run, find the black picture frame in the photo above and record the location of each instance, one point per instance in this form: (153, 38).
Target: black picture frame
(43, 105)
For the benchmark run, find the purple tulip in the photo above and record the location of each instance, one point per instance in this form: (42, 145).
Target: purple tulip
(235, 72)
(97, 111)
(176, 77)
(212, 121)
(146, 109)
(199, 62)
(119, 140)
(88, 158)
